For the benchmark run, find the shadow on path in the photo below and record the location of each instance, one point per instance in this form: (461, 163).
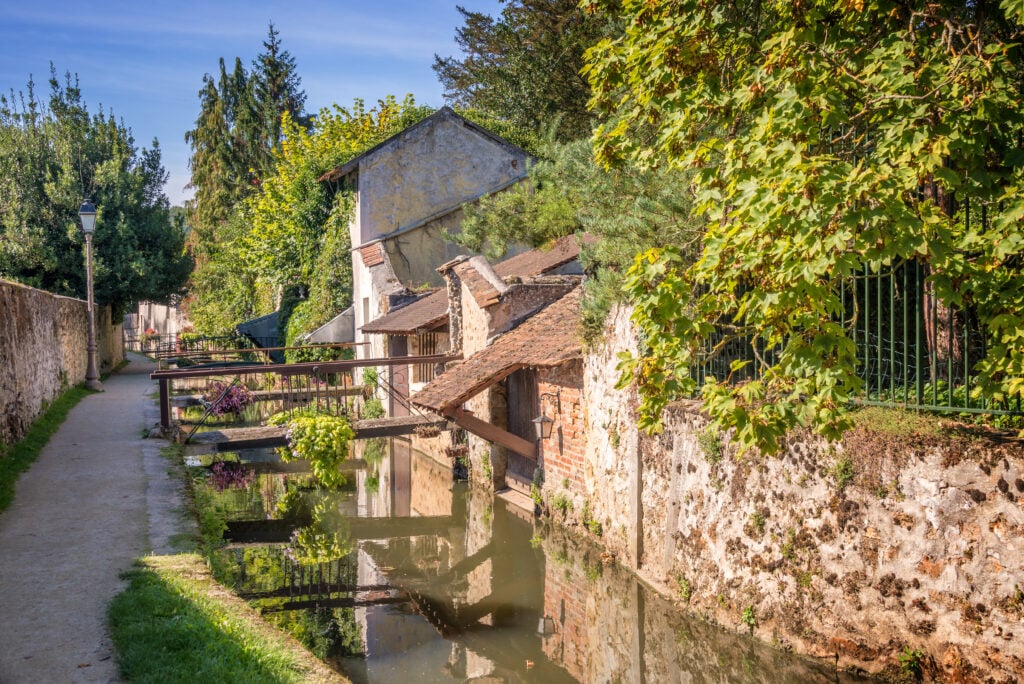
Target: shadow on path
(98, 497)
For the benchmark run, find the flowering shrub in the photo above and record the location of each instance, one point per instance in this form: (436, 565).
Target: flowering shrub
(235, 401)
(230, 475)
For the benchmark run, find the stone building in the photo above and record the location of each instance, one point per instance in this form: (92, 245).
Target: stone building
(420, 326)
(409, 190)
(518, 337)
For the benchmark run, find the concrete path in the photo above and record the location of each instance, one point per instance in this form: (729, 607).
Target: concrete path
(99, 496)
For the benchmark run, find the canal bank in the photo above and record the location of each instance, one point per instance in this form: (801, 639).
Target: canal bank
(98, 497)
(402, 573)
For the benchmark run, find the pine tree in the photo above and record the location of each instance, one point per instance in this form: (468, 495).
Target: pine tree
(238, 127)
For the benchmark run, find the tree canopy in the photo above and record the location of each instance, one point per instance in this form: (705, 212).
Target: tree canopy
(238, 127)
(622, 210)
(292, 232)
(525, 65)
(54, 154)
(826, 139)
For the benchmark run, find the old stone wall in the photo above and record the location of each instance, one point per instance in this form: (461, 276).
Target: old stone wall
(43, 352)
(897, 539)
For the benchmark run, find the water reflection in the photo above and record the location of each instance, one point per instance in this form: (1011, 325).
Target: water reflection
(403, 574)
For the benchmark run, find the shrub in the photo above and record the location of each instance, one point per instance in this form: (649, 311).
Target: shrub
(323, 440)
(234, 400)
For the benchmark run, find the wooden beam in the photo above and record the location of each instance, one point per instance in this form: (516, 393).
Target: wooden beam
(233, 439)
(305, 368)
(493, 433)
(302, 393)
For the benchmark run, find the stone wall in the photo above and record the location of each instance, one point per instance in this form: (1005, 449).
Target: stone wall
(43, 352)
(897, 538)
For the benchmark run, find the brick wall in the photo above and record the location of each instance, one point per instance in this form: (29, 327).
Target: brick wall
(562, 454)
(565, 602)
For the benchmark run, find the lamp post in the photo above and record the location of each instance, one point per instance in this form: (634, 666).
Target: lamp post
(87, 215)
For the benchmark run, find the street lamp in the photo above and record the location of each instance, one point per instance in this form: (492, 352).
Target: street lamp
(87, 215)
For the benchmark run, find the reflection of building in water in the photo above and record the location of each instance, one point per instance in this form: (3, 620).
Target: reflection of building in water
(469, 582)
(445, 584)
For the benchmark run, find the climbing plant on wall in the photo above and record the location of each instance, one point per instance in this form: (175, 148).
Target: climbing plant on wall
(828, 139)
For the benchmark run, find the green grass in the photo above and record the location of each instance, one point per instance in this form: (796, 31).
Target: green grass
(897, 421)
(173, 623)
(16, 458)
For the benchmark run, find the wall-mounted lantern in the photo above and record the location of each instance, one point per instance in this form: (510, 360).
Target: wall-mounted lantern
(542, 424)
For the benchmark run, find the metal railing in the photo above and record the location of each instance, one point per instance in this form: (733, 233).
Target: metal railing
(330, 385)
(913, 351)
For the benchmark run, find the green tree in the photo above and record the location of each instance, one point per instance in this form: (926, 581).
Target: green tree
(291, 236)
(827, 137)
(525, 65)
(238, 127)
(277, 89)
(622, 210)
(53, 155)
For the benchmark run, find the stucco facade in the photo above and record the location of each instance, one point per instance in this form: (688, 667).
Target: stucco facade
(408, 191)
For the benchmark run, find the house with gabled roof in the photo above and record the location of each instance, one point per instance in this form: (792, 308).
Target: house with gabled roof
(420, 326)
(409, 190)
(521, 368)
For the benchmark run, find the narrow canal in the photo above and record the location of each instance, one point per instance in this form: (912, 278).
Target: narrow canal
(403, 575)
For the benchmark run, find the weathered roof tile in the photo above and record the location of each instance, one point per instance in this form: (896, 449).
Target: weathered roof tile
(549, 338)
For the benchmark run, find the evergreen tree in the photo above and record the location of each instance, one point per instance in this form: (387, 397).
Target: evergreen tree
(238, 127)
(525, 66)
(277, 89)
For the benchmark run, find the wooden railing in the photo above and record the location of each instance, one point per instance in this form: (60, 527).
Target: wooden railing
(315, 381)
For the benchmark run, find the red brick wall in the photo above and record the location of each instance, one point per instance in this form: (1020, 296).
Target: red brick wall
(562, 453)
(565, 603)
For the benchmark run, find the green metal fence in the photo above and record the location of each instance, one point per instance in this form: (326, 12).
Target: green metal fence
(913, 351)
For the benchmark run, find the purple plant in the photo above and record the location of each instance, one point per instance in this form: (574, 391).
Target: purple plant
(235, 401)
(230, 475)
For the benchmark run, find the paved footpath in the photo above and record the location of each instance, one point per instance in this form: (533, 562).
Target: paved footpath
(98, 497)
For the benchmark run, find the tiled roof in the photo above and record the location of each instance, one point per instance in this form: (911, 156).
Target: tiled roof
(540, 260)
(421, 315)
(372, 254)
(481, 281)
(430, 312)
(549, 338)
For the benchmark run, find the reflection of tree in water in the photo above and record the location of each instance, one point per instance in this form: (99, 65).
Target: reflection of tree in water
(325, 539)
(375, 449)
(328, 632)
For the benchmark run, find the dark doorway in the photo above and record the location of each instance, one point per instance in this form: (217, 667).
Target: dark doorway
(398, 345)
(522, 407)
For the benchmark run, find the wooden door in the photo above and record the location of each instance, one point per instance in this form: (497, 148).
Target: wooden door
(522, 409)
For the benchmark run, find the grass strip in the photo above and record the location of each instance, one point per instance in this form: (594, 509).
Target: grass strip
(16, 458)
(174, 623)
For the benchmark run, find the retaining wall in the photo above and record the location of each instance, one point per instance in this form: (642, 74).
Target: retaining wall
(854, 551)
(43, 351)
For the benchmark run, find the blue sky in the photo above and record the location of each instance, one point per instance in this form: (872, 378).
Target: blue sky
(145, 60)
